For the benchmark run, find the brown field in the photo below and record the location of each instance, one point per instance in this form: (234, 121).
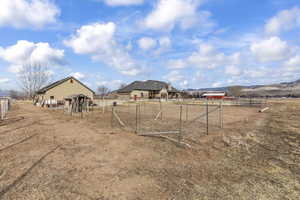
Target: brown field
(46, 154)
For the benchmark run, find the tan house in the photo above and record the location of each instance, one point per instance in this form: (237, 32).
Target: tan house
(62, 89)
(148, 90)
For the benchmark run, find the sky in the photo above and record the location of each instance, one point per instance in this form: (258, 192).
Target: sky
(188, 43)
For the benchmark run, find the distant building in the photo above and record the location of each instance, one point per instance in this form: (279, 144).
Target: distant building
(148, 90)
(214, 95)
(62, 89)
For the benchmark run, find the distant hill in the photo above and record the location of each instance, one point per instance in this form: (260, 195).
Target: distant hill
(3, 93)
(284, 89)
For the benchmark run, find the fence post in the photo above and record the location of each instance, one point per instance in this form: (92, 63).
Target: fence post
(136, 119)
(221, 114)
(180, 125)
(160, 108)
(207, 116)
(112, 116)
(187, 112)
(103, 106)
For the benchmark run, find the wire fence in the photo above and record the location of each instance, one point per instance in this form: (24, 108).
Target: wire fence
(176, 121)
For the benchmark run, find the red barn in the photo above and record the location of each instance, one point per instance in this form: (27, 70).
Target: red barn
(214, 95)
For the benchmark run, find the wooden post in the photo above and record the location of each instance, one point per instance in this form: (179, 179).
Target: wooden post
(207, 116)
(187, 112)
(103, 106)
(180, 125)
(112, 116)
(136, 119)
(220, 120)
(160, 108)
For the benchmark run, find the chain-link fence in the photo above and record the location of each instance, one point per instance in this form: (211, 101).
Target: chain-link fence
(176, 120)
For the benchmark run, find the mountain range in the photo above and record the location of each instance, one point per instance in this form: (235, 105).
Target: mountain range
(284, 89)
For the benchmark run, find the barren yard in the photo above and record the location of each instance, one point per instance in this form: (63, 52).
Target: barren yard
(45, 154)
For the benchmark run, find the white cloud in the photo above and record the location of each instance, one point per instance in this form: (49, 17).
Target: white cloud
(92, 39)
(256, 73)
(207, 57)
(284, 21)
(165, 43)
(98, 41)
(174, 76)
(113, 84)
(25, 52)
(184, 84)
(177, 64)
(272, 49)
(232, 70)
(147, 43)
(4, 80)
(78, 75)
(28, 13)
(123, 2)
(216, 84)
(168, 13)
(293, 64)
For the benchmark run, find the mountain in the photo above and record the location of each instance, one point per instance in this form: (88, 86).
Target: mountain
(284, 89)
(3, 93)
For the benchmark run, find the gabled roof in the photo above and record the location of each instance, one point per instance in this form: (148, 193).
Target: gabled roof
(149, 85)
(52, 85)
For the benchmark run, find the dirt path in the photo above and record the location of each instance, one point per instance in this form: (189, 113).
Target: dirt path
(87, 164)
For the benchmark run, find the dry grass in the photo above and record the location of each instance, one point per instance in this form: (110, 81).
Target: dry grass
(256, 156)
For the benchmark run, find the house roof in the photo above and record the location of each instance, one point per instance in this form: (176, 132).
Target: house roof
(149, 85)
(52, 85)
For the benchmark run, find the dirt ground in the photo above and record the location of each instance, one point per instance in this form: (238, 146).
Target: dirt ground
(45, 154)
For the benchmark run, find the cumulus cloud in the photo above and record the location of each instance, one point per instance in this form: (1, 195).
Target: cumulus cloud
(4, 80)
(272, 49)
(28, 13)
(165, 43)
(123, 2)
(177, 64)
(98, 40)
(78, 75)
(293, 64)
(168, 13)
(206, 57)
(216, 84)
(285, 20)
(176, 76)
(147, 43)
(113, 84)
(25, 52)
(232, 70)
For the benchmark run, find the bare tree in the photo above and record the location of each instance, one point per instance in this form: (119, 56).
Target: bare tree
(33, 77)
(122, 85)
(103, 90)
(235, 91)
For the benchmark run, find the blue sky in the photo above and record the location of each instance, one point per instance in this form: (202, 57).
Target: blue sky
(189, 43)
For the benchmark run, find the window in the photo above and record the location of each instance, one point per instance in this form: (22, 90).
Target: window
(51, 97)
(71, 81)
(142, 94)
